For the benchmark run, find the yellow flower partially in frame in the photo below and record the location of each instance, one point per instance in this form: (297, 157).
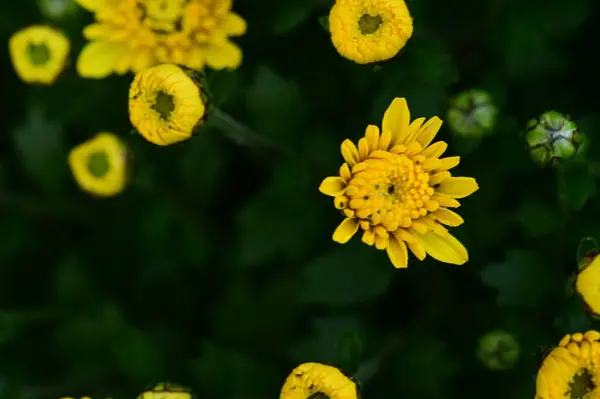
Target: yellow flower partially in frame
(166, 391)
(367, 31)
(132, 35)
(587, 284)
(318, 381)
(99, 165)
(396, 188)
(39, 53)
(166, 104)
(571, 369)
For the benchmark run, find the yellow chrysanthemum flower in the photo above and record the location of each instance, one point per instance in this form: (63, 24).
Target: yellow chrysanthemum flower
(166, 104)
(588, 283)
(571, 370)
(166, 391)
(315, 380)
(367, 31)
(39, 53)
(398, 190)
(99, 165)
(131, 35)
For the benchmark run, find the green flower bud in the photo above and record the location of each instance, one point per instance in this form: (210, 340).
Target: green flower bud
(472, 113)
(57, 9)
(553, 138)
(498, 350)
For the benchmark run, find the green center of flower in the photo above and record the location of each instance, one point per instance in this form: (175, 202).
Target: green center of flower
(39, 54)
(582, 384)
(369, 24)
(318, 395)
(164, 105)
(98, 164)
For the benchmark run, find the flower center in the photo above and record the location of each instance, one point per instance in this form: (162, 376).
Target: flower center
(581, 385)
(98, 164)
(391, 190)
(162, 16)
(318, 395)
(39, 54)
(369, 24)
(164, 105)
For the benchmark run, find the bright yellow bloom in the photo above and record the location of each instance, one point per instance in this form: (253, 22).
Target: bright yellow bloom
(166, 391)
(571, 370)
(166, 104)
(398, 190)
(588, 283)
(39, 53)
(318, 381)
(99, 165)
(367, 31)
(131, 35)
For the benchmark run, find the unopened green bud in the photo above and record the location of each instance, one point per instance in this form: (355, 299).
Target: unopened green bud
(498, 350)
(472, 113)
(58, 9)
(553, 138)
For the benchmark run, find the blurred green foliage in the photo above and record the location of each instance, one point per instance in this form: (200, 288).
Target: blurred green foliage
(216, 269)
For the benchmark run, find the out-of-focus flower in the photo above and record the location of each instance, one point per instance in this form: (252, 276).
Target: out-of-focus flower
(571, 369)
(587, 283)
(396, 188)
(39, 53)
(166, 104)
(367, 31)
(553, 138)
(472, 113)
(166, 391)
(100, 165)
(315, 380)
(132, 35)
(498, 350)
(57, 9)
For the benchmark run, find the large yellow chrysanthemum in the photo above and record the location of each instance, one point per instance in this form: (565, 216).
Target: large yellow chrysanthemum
(166, 104)
(131, 35)
(39, 53)
(588, 283)
(397, 189)
(366, 31)
(100, 165)
(318, 381)
(571, 370)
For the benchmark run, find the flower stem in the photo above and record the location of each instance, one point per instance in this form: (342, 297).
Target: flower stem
(240, 133)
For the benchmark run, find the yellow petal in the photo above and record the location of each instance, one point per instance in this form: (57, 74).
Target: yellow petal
(413, 129)
(439, 177)
(448, 163)
(417, 250)
(345, 230)
(445, 249)
(445, 201)
(428, 131)
(223, 55)
(92, 5)
(447, 217)
(333, 186)
(234, 25)
(350, 152)
(397, 252)
(435, 150)
(457, 187)
(98, 59)
(363, 148)
(372, 135)
(345, 172)
(396, 119)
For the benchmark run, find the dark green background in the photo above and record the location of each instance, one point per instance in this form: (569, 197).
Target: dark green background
(216, 268)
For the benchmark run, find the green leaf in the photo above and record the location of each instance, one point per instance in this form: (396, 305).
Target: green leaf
(349, 274)
(537, 218)
(289, 16)
(575, 186)
(39, 143)
(324, 22)
(136, 356)
(522, 280)
(572, 316)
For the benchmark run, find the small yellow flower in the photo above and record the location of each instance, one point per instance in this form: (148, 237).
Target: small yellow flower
(318, 381)
(367, 31)
(99, 165)
(166, 104)
(132, 35)
(588, 283)
(39, 53)
(166, 391)
(397, 189)
(571, 370)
